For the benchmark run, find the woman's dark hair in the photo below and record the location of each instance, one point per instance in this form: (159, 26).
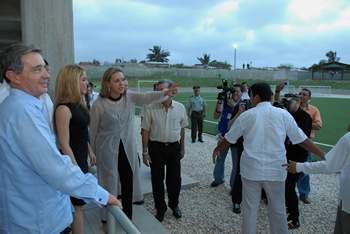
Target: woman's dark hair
(262, 89)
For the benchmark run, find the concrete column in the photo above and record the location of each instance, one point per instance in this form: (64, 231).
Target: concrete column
(49, 25)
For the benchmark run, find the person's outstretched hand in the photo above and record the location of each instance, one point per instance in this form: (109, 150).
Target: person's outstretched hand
(172, 90)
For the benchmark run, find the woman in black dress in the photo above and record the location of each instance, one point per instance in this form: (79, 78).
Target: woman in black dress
(71, 120)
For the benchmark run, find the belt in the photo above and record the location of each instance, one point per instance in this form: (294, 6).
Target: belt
(166, 143)
(197, 112)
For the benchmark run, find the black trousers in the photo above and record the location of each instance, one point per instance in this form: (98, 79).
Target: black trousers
(196, 120)
(126, 180)
(236, 192)
(169, 156)
(292, 202)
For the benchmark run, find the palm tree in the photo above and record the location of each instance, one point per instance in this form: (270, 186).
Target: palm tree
(158, 55)
(205, 60)
(332, 57)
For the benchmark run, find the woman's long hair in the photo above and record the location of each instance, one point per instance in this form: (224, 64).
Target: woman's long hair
(105, 92)
(67, 89)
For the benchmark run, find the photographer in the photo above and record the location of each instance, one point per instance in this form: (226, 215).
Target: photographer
(264, 129)
(305, 96)
(224, 109)
(236, 191)
(295, 153)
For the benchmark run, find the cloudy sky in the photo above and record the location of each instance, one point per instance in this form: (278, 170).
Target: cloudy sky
(267, 32)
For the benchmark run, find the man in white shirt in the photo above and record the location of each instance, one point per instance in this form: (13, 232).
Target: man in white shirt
(245, 91)
(338, 159)
(93, 95)
(163, 141)
(264, 129)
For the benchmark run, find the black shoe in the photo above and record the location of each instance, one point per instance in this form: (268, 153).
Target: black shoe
(214, 184)
(292, 225)
(160, 216)
(201, 140)
(237, 208)
(193, 141)
(139, 202)
(177, 212)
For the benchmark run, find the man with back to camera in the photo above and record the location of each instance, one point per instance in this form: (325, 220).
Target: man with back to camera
(305, 96)
(224, 109)
(35, 177)
(197, 104)
(264, 129)
(163, 142)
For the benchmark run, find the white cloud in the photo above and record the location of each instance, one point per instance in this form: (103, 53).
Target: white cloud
(267, 32)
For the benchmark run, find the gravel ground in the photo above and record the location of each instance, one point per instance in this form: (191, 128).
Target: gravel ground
(209, 210)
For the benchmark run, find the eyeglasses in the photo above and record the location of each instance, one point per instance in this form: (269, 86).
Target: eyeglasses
(40, 70)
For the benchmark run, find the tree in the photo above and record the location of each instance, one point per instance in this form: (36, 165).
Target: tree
(205, 60)
(332, 57)
(158, 55)
(286, 66)
(222, 65)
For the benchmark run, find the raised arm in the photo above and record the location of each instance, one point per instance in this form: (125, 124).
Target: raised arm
(279, 87)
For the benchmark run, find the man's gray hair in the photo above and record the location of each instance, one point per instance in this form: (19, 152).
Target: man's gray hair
(162, 81)
(10, 58)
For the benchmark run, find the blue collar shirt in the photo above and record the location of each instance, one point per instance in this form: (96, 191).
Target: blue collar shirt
(34, 176)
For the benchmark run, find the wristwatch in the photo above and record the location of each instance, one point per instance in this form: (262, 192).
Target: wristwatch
(144, 153)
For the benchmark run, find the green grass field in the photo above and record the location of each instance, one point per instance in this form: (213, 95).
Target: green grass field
(335, 114)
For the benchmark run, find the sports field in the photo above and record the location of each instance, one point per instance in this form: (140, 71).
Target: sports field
(335, 114)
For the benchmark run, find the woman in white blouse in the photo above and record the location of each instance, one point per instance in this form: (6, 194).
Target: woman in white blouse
(113, 137)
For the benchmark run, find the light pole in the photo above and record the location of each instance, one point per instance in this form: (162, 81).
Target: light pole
(234, 64)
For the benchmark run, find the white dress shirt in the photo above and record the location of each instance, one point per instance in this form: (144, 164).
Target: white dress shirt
(165, 126)
(338, 159)
(245, 96)
(4, 91)
(264, 129)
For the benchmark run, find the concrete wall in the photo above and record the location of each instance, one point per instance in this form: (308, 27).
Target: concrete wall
(49, 25)
(97, 72)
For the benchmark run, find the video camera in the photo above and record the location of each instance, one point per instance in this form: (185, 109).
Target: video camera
(248, 105)
(282, 104)
(226, 91)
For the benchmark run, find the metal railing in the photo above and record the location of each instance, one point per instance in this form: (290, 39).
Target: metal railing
(114, 214)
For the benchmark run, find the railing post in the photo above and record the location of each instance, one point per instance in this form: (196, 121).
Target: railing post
(115, 213)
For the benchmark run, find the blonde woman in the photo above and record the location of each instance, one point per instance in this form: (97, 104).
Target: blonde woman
(71, 120)
(113, 137)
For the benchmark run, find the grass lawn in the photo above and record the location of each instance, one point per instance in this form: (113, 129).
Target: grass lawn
(335, 114)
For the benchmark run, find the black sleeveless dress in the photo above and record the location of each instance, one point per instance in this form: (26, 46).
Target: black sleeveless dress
(78, 138)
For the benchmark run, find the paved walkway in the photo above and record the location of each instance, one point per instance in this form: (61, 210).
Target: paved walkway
(144, 220)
